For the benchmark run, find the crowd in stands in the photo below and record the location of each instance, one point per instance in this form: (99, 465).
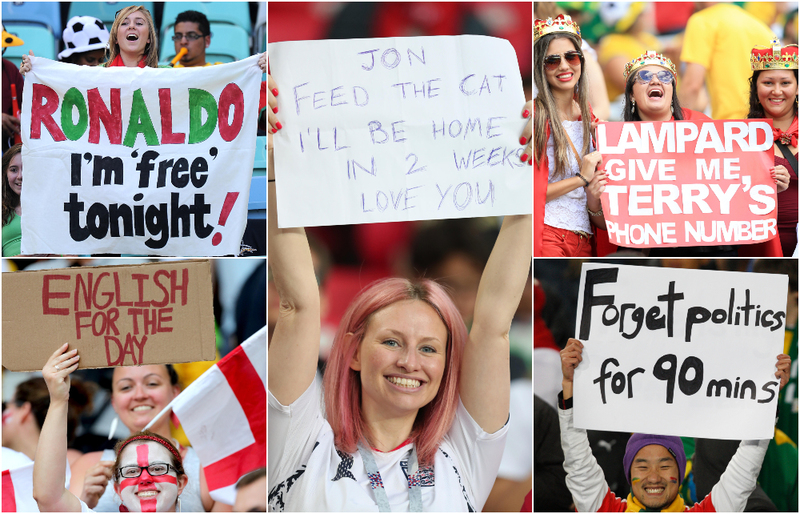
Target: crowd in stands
(662, 61)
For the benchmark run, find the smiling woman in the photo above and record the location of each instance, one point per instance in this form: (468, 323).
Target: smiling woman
(773, 94)
(138, 394)
(567, 171)
(415, 406)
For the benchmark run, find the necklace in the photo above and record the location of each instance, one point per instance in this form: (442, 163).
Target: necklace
(376, 482)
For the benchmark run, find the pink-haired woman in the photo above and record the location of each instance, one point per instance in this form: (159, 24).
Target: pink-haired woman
(415, 407)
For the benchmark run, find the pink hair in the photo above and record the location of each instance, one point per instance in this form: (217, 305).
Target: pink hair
(343, 385)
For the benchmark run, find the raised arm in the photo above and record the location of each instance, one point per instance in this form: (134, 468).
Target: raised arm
(49, 472)
(294, 347)
(485, 379)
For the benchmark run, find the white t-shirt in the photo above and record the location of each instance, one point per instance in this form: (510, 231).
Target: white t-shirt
(308, 473)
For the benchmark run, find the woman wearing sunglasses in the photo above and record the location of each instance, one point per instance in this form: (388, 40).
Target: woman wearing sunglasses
(567, 181)
(650, 95)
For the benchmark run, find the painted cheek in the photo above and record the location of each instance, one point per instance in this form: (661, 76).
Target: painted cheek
(673, 480)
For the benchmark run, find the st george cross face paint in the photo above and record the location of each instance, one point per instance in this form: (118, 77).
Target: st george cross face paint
(147, 493)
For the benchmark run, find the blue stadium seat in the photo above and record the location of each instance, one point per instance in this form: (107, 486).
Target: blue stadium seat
(104, 11)
(258, 184)
(228, 43)
(46, 14)
(258, 194)
(233, 13)
(36, 38)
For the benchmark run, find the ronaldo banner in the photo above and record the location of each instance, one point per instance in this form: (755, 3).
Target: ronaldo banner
(137, 161)
(688, 183)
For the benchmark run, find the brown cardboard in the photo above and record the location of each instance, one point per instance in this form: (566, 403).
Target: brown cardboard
(44, 309)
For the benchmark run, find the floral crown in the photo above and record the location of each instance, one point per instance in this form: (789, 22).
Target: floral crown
(646, 59)
(159, 440)
(561, 23)
(774, 58)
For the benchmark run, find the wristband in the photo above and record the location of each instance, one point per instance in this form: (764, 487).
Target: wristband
(562, 403)
(586, 182)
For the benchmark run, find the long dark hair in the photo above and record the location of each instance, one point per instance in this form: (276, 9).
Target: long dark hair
(627, 115)
(546, 107)
(10, 198)
(756, 109)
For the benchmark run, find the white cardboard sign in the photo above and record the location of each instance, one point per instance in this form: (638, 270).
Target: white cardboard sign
(397, 129)
(678, 351)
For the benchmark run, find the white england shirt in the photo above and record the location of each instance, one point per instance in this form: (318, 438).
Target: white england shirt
(308, 473)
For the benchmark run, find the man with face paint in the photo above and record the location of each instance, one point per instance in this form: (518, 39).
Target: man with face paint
(148, 473)
(654, 465)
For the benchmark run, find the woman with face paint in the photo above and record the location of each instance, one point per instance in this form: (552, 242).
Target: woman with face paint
(148, 473)
(138, 394)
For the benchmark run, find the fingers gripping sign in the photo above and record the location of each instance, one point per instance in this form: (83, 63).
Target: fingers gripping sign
(783, 367)
(527, 154)
(57, 370)
(571, 357)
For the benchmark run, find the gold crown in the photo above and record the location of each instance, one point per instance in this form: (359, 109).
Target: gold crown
(774, 58)
(646, 59)
(561, 23)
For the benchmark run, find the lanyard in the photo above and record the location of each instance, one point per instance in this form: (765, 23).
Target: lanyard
(375, 480)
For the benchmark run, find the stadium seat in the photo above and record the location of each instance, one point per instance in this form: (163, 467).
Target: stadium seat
(228, 43)
(258, 194)
(233, 13)
(46, 14)
(104, 11)
(257, 203)
(36, 38)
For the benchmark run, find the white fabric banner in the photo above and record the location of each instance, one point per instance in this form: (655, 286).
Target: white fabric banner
(679, 351)
(137, 161)
(397, 129)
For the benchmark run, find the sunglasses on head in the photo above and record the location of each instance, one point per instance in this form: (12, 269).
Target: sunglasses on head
(645, 76)
(553, 61)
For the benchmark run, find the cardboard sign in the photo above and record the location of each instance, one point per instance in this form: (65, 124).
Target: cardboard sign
(688, 183)
(158, 313)
(137, 161)
(679, 352)
(397, 129)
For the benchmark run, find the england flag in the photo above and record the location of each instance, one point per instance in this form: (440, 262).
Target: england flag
(224, 416)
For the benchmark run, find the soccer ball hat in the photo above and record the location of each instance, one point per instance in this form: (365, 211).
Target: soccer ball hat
(84, 34)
